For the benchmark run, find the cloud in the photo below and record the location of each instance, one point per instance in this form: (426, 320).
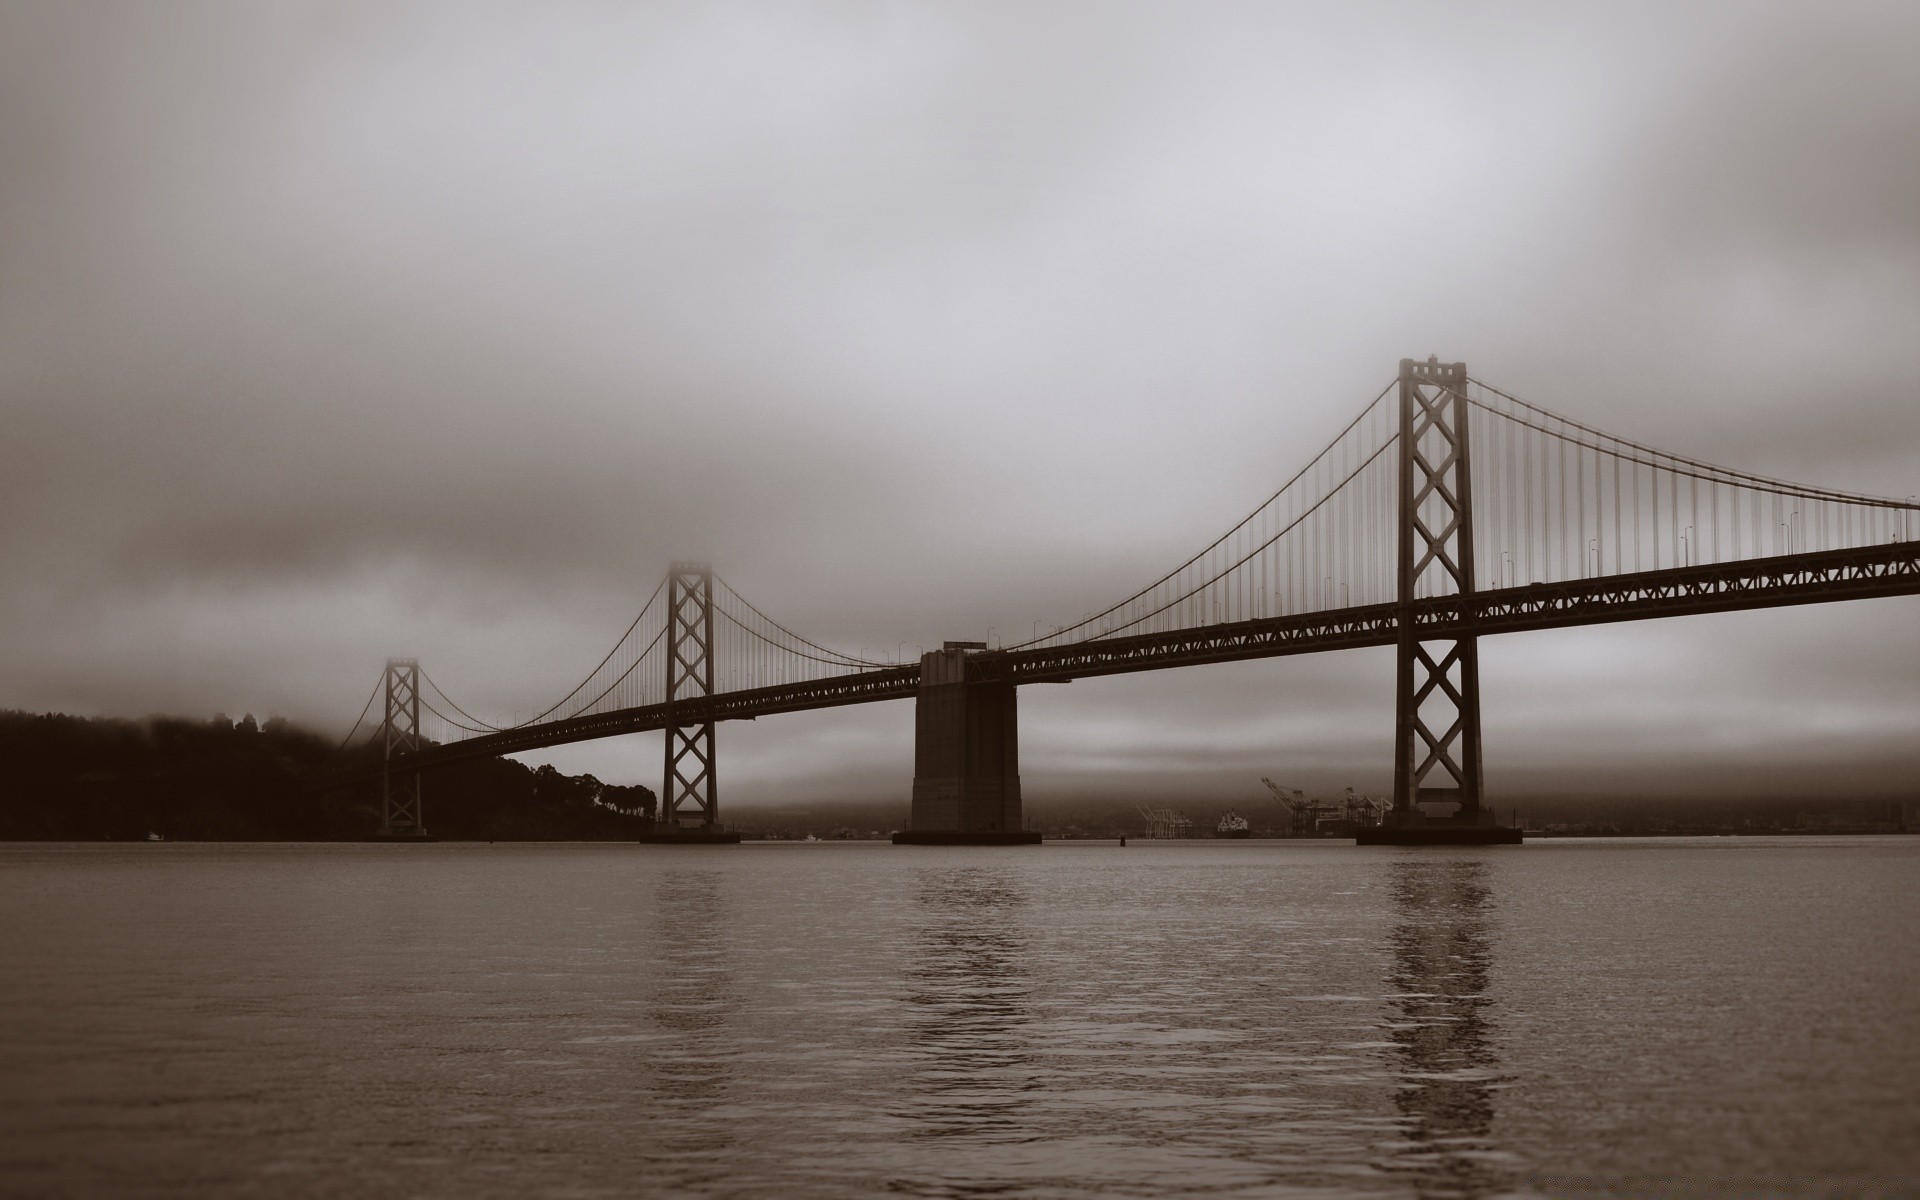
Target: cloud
(330, 332)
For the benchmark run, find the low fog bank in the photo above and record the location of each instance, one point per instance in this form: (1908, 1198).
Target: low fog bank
(1600, 814)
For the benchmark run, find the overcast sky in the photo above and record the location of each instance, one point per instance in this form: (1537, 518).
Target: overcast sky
(334, 332)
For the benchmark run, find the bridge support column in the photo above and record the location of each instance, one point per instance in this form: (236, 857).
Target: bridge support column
(966, 757)
(401, 817)
(1436, 755)
(689, 795)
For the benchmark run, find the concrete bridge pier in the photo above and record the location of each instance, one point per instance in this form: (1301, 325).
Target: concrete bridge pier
(966, 756)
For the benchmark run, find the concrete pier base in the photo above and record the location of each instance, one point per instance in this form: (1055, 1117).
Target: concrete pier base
(1438, 835)
(1417, 829)
(956, 837)
(668, 836)
(966, 757)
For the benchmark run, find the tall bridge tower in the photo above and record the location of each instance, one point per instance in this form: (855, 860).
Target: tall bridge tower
(1437, 690)
(1436, 743)
(401, 818)
(689, 794)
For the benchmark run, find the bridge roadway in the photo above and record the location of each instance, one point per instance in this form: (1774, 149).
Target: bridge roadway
(1830, 575)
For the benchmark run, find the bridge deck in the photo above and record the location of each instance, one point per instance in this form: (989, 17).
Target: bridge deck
(1821, 577)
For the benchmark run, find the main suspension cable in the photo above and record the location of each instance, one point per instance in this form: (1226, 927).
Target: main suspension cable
(428, 705)
(839, 659)
(581, 686)
(442, 693)
(1714, 473)
(1211, 546)
(831, 662)
(1257, 550)
(622, 679)
(364, 710)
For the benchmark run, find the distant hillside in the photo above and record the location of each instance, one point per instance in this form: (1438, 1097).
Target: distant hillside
(74, 778)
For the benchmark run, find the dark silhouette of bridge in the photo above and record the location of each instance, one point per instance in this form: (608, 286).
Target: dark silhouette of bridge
(1382, 539)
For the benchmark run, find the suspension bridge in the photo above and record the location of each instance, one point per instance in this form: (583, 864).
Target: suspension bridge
(1446, 510)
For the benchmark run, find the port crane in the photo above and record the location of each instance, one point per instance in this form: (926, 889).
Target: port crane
(1342, 814)
(1164, 822)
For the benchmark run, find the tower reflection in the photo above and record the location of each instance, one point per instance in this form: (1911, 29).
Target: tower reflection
(1445, 1066)
(692, 999)
(968, 991)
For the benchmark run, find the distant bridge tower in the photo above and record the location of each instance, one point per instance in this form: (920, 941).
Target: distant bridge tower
(687, 794)
(1437, 693)
(400, 813)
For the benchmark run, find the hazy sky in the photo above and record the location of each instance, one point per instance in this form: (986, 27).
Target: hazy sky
(334, 332)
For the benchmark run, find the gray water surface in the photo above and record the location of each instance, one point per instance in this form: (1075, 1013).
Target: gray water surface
(1684, 1016)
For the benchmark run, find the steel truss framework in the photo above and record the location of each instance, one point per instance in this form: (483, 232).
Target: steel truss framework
(1827, 575)
(689, 785)
(1820, 577)
(1814, 578)
(400, 811)
(1437, 681)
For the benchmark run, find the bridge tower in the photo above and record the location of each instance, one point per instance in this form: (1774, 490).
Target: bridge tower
(966, 755)
(1437, 688)
(401, 818)
(688, 797)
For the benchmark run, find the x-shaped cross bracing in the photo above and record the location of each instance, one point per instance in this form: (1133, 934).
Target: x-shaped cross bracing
(689, 776)
(1436, 515)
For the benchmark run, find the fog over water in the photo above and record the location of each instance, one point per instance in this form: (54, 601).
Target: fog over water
(334, 332)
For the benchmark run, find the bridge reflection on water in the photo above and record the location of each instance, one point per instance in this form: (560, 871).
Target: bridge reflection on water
(1233, 1018)
(693, 1000)
(1444, 1059)
(968, 990)
(1161, 1060)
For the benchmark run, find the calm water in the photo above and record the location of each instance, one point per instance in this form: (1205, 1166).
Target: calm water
(1232, 1019)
